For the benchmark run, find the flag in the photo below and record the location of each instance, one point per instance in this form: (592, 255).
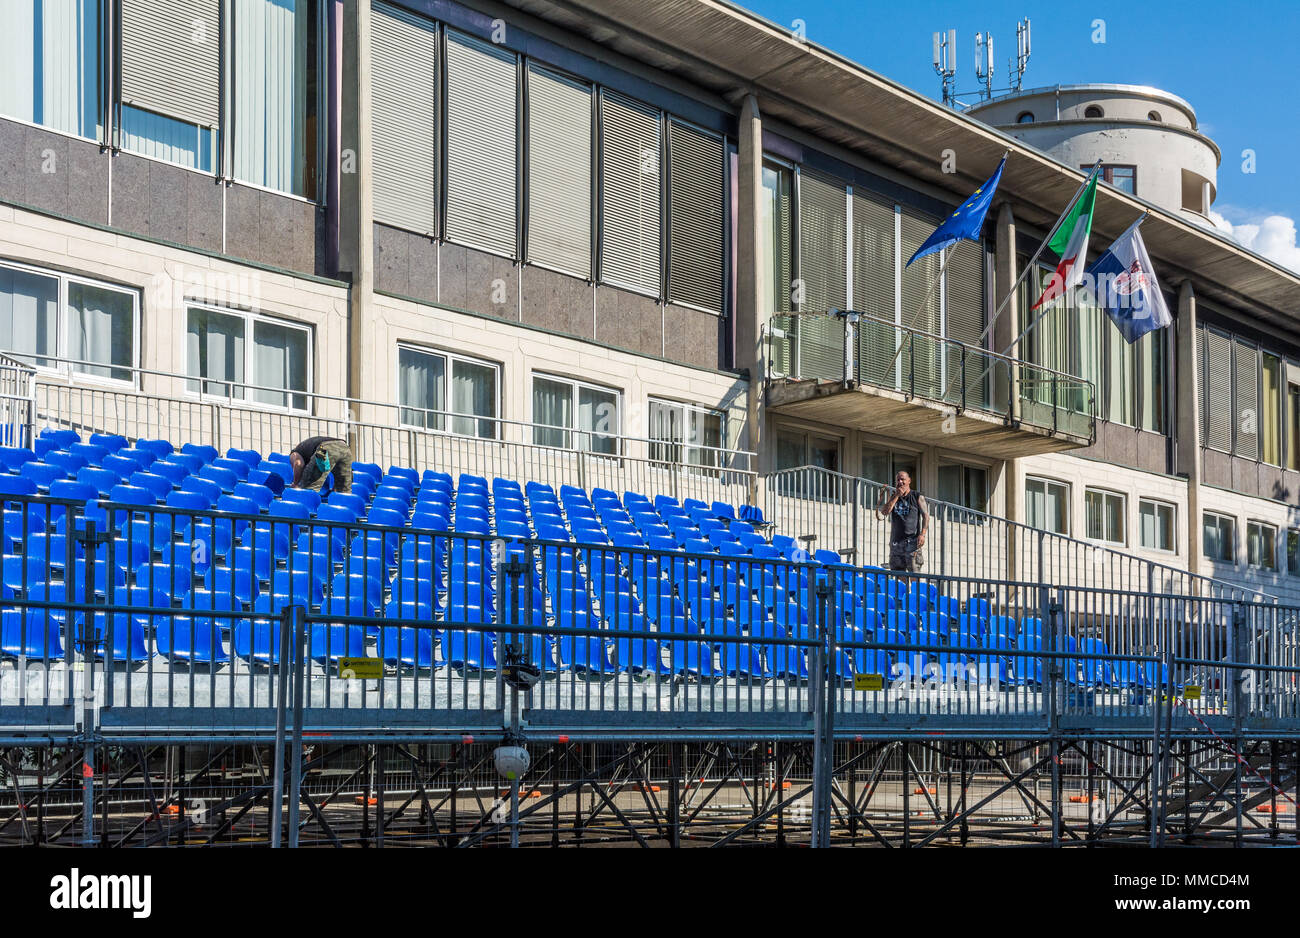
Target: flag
(1070, 243)
(966, 222)
(1125, 285)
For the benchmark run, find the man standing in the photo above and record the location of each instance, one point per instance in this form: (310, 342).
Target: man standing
(909, 517)
(317, 457)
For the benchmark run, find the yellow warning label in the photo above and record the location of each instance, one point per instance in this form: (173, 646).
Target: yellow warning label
(869, 682)
(360, 669)
(1192, 692)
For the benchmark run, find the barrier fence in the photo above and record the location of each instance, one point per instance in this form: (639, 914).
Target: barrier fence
(833, 511)
(148, 622)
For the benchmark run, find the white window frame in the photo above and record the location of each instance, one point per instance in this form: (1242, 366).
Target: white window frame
(1069, 506)
(250, 385)
(1106, 494)
(449, 416)
(574, 385)
(1220, 516)
(685, 445)
(1173, 524)
(1253, 522)
(62, 368)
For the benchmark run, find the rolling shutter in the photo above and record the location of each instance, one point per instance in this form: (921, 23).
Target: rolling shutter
(171, 58)
(917, 281)
(695, 207)
(1247, 415)
(823, 270)
(630, 203)
(404, 118)
(874, 264)
(1218, 391)
(964, 320)
(559, 172)
(481, 144)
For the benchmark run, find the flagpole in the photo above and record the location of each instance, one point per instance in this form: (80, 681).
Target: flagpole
(947, 254)
(1047, 306)
(1033, 260)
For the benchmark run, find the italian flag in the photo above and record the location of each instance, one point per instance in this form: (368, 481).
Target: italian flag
(1071, 245)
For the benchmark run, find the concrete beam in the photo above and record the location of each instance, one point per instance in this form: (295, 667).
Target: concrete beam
(356, 221)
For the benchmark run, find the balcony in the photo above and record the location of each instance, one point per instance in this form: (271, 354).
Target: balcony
(855, 370)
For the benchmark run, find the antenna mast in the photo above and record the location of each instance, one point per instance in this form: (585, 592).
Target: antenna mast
(945, 64)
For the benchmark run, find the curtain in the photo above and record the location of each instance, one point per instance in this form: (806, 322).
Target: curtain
(100, 329)
(29, 313)
(215, 350)
(552, 408)
(597, 414)
(473, 391)
(280, 361)
(49, 64)
(666, 430)
(270, 92)
(420, 379)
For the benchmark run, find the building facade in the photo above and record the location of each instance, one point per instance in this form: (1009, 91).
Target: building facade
(598, 226)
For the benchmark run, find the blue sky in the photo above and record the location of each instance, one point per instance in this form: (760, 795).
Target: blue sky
(1233, 62)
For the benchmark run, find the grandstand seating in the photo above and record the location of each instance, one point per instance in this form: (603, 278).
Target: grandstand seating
(670, 573)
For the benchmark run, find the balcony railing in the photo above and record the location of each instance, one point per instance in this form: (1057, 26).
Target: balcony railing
(862, 350)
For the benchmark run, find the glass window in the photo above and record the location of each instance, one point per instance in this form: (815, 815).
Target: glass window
(795, 449)
(775, 245)
(964, 487)
(682, 433)
(422, 392)
(1156, 525)
(274, 368)
(92, 329)
(29, 314)
(1219, 538)
(574, 415)
(1293, 552)
(1261, 545)
(49, 64)
(1104, 516)
(883, 465)
(1293, 426)
(275, 93)
(1047, 505)
(1270, 410)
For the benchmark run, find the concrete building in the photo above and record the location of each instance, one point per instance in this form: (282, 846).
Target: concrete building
(1146, 138)
(582, 224)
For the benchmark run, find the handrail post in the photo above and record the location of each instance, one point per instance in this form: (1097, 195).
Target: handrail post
(281, 713)
(823, 740)
(298, 615)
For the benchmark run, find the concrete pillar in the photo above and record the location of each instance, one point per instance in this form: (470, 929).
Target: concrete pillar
(749, 318)
(1005, 329)
(356, 205)
(1187, 424)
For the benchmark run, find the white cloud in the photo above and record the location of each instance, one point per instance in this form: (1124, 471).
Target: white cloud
(1273, 236)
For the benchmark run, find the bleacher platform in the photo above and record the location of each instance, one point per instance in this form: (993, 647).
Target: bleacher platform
(199, 554)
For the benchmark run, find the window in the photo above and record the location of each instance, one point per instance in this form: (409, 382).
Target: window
(686, 434)
(1293, 426)
(695, 217)
(1219, 538)
(272, 368)
(90, 325)
(1104, 516)
(1270, 410)
(170, 84)
(796, 449)
(481, 126)
(1093, 110)
(883, 465)
(775, 264)
(630, 208)
(275, 94)
(1025, 117)
(1118, 175)
(559, 172)
(1293, 552)
(1153, 116)
(1261, 545)
(1156, 525)
(50, 65)
(572, 415)
(404, 119)
(422, 383)
(1241, 397)
(1047, 505)
(965, 487)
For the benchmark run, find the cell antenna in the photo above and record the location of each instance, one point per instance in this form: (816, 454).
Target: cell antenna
(945, 63)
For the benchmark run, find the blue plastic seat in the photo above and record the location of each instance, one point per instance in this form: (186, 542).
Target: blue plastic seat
(221, 476)
(194, 639)
(303, 497)
(259, 495)
(70, 463)
(249, 457)
(206, 487)
(13, 457)
(42, 473)
(160, 448)
(122, 465)
(158, 486)
(206, 453)
(17, 485)
(92, 453)
(111, 441)
(173, 472)
(30, 632)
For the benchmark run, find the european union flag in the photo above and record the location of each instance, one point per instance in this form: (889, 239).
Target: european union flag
(966, 222)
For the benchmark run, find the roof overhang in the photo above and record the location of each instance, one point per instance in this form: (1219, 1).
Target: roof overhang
(732, 52)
